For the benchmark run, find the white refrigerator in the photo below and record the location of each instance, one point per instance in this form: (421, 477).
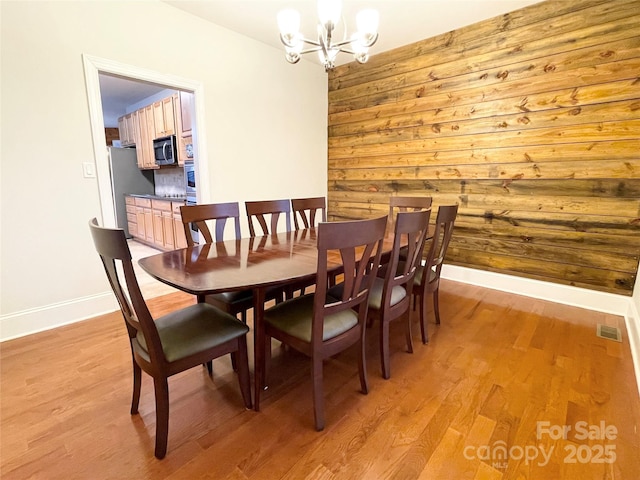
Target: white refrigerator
(126, 179)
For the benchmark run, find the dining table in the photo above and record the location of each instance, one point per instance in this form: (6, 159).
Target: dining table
(255, 263)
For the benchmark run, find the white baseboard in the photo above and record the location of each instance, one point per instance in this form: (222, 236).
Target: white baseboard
(565, 294)
(37, 320)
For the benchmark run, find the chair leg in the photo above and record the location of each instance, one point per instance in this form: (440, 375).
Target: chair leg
(408, 332)
(162, 415)
(243, 371)
(209, 366)
(423, 319)
(234, 362)
(362, 367)
(384, 348)
(137, 381)
(436, 309)
(318, 394)
(267, 360)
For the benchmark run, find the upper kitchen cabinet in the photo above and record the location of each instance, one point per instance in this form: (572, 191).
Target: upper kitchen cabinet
(186, 113)
(144, 149)
(126, 127)
(184, 108)
(164, 114)
(170, 116)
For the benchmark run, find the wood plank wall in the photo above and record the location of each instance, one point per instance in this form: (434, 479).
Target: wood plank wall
(530, 121)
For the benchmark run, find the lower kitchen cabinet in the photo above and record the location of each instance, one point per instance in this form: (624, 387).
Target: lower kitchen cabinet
(181, 241)
(156, 222)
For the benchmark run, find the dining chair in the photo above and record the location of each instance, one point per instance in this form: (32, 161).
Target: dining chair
(307, 209)
(407, 204)
(427, 278)
(319, 325)
(309, 212)
(172, 343)
(390, 297)
(231, 302)
(259, 210)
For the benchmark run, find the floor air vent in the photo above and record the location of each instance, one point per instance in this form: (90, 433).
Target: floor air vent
(610, 333)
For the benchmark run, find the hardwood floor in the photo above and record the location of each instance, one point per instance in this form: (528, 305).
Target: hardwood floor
(497, 366)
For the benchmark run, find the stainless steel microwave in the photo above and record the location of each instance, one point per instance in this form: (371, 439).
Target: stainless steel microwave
(165, 150)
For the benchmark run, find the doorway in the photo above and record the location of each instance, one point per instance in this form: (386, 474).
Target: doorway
(93, 67)
(137, 77)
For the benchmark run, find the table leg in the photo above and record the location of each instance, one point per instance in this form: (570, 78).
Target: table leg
(258, 344)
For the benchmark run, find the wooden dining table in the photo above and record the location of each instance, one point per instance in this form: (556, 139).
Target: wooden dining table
(255, 263)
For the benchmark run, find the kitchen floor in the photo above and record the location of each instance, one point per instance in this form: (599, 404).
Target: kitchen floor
(149, 286)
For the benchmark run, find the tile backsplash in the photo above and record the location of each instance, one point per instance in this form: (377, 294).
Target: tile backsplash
(169, 181)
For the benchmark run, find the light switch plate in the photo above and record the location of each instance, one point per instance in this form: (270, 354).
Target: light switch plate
(89, 170)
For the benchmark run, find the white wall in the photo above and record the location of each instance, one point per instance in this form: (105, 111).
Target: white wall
(265, 131)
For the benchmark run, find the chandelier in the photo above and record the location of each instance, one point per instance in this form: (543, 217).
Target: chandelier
(329, 14)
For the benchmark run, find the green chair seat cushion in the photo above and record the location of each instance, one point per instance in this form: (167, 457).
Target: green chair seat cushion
(295, 317)
(418, 278)
(375, 295)
(194, 329)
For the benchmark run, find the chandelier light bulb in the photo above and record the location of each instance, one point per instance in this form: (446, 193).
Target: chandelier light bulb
(329, 12)
(289, 25)
(367, 22)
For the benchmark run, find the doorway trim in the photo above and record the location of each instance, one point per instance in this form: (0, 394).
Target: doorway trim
(93, 66)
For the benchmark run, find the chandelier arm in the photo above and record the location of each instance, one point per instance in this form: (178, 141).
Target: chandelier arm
(310, 50)
(312, 42)
(341, 44)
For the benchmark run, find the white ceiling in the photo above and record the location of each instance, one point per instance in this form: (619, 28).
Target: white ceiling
(401, 22)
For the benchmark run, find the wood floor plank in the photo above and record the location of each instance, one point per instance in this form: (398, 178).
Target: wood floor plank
(497, 366)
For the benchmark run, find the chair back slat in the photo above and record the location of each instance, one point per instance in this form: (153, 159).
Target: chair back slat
(258, 210)
(218, 212)
(306, 209)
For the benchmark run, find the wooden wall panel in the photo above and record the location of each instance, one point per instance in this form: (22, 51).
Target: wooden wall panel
(530, 122)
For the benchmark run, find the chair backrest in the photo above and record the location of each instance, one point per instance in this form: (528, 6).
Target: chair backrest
(307, 209)
(359, 244)
(406, 204)
(440, 241)
(111, 245)
(409, 236)
(219, 212)
(275, 208)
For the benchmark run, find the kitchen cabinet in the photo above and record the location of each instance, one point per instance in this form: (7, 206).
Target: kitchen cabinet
(164, 118)
(146, 158)
(144, 219)
(156, 222)
(186, 114)
(170, 116)
(162, 230)
(126, 129)
(180, 239)
(132, 218)
(183, 104)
